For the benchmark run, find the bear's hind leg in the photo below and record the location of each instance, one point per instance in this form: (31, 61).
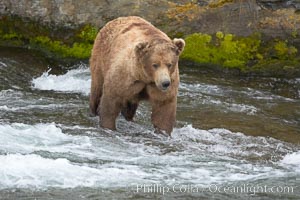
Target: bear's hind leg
(128, 111)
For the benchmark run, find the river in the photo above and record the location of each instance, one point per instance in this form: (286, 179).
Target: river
(236, 138)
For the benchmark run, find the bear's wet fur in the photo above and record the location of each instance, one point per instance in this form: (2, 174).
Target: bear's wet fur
(132, 61)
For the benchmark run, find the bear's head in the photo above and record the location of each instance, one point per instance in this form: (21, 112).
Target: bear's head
(159, 60)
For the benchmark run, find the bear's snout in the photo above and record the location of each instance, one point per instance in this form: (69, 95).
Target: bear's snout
(162, 80)
(165, 84)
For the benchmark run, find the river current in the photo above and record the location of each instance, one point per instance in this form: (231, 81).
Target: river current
(236, 138)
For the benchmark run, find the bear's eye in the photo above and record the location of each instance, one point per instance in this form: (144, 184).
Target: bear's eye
(155, 66)
(169, 65)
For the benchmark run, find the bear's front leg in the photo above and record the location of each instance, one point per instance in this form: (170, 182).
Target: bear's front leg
(164, 115)
(109, 111)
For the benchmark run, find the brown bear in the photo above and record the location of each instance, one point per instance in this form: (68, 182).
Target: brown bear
(132, 61)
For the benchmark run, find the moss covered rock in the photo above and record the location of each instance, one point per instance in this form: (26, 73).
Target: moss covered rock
(59, 42)
(246, 54)
(218, 33)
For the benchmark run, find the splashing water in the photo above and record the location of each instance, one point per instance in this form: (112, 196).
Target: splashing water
(51, 148)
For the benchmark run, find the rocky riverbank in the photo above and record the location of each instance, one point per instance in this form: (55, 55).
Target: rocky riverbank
(248, 35)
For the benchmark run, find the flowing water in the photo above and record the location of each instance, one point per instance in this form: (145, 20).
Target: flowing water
(236, 138)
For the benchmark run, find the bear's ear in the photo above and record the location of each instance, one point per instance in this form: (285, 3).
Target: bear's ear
(179, 43)
(141, 48)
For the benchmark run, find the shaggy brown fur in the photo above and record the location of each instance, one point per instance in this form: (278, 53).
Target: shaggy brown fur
(132, 61)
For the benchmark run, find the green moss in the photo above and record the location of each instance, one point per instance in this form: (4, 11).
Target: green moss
(197, 48)
(59, 43)
(77, 50)
(10, 36)
(285, 52)
(88, 33)
(13, 39)
(222, 49)
(243, 53)
(294, 34)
